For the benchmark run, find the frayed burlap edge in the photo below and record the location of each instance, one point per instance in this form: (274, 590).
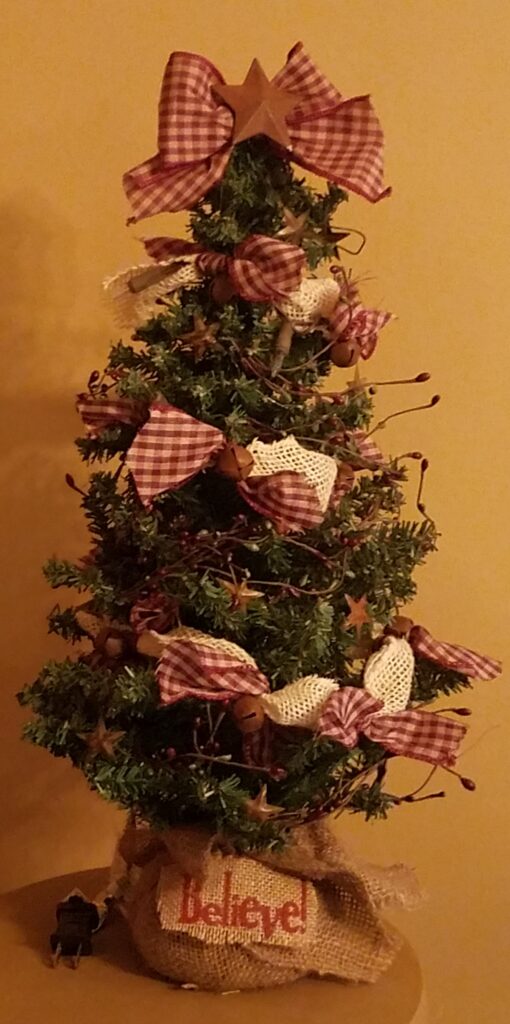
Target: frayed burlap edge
(352, 942)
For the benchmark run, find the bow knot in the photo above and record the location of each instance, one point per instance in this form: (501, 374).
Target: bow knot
(172, 447)
(358, 324)
(261, 269)
(194, 664)
(340, 140)
(350, 712)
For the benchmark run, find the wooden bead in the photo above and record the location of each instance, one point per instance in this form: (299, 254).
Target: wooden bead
(222, 289)
(248, 714)
(344, 353)
(235, 462)
(400, 626)
(110, 642)
(345, 477)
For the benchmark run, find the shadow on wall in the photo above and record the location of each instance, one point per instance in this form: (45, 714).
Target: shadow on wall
(43, 349)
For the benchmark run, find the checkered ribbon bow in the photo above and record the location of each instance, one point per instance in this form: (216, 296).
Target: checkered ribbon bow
(366, 447)
(453, 656)
(357, 323)
(350, 712)
(169, 450)
(287, 498)
(154, 611)
(196, 665)
(340, 140)
(172, 447)
(262, 269)
(99, 412)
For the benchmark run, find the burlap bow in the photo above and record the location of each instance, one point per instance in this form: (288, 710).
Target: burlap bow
(350, 712)
(262, 269)
(173, 447)
(341, 140)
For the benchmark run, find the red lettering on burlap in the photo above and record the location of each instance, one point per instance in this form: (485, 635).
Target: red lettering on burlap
(269, 917)
(234, 919)
(250, 905)
(290, 910)
(212, 913)
(232, 910)
(190, 906)
(227, 889)
(304, 894)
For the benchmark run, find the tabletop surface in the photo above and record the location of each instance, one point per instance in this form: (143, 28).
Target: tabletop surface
(114, 986)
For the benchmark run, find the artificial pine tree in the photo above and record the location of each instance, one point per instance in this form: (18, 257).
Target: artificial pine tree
(250, 556)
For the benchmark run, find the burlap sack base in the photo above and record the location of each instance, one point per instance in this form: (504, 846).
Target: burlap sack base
(352, 942)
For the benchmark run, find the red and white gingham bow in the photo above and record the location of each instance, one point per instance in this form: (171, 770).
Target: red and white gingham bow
(155, 611)
(366, 447)
(461, 659)
(341, 140)
(356, 323)
(98, 413)
(262, 269)
(169, 450)
(287, 498)
(350, 711)
(190, 669)
(173, 447)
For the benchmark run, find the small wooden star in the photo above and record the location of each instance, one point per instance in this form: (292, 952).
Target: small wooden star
(258, 808)
(358, 613)
(294, 228)
(102, 740)
(241, 593)
(358, 383)
(202, 337)
(259, 107)
(331, 235)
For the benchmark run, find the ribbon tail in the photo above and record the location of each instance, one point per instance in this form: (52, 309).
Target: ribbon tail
(421, 735)
(453, 656)
(344, 145)
(153, 187)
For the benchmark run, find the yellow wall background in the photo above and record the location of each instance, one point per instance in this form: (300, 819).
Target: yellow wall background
(80, 82)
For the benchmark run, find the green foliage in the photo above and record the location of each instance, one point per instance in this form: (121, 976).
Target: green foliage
(250, 197)
(64, 623)
(431, 680)
(188, 762)
(372, 801)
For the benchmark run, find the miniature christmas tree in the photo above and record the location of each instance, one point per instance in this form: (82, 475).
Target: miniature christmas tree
(243, 661)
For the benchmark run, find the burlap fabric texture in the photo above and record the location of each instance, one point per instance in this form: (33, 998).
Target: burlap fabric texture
(344, 936)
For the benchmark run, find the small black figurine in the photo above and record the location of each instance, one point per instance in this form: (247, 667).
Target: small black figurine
(77, 919)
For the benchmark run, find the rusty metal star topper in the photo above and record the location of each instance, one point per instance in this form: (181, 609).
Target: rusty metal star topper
(259, 107)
